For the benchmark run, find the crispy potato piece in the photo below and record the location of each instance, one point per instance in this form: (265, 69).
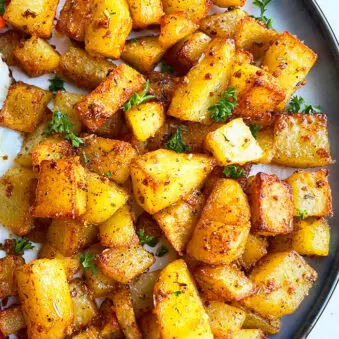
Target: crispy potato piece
(11, 320)
(174, 27)
(35, 18)
(301, 140)
(8, 41)
(195, 9)
(24, 107)
(108, 28)
(291, 278)
(192, 98)
(289, 61)
(311, 193)
(109, 326)
(249, 334)
(79, 67)
(51, 313)
(149, 326)
(163, 177)
(73, 19)
(265, 139)
(60, 191)
(229, 3)
(90, 333)
(97, 107)
(178, 307)
(271, 202)
(255, 321)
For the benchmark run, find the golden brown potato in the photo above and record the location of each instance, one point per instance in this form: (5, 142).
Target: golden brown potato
(35, 18)
(24, 107)
(265, 139)
(249, 334)
(196, 9)
(90, 333)
(11, 320)
(149, 326)
(109, 326)
(255, 321)
(8, 41)
(229, 3)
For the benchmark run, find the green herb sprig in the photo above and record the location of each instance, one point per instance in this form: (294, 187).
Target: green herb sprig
(137, 99)
(57, 84)
(108, 174)
(22, 244)
(146, 239)
(234, 172)
(88, 262)
(262, 4)
(176, 144)
(255, 130)
(161, 251)
(224, 107)
(2, 7)
(177, 293)
(302, 214)
(298, 105)
(166, 68)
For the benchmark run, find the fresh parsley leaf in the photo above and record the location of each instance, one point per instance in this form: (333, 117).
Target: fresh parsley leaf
(177, 293)
(302, 214)
(2, 7)
(298, 105)
(22, 244)
(108, 174)
(134, 40)
(311, 109)
(224, 107)
(176, 144)
(146, 239)
(234, 172)
(161, 251)
(254, 130)
(57, 84)
(137, 99)
(262, 4)
(166, 68)
(86, 160)
(88, 262)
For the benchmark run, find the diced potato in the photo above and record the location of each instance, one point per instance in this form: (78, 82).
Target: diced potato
(178, 307)
(8, 41)
(124, 264)
(301, 140)
(36, 57)
(255, 321)
(311, 193)
(97, 107)
(174, 27)
(145, 119)
(60, 190)
(143, 53)
(271, 204)
(229, 3)
(78, 66)
(163, 177)
(290, 278)
(289, 61)
(108, 28)
(11, 320)
(16, 195)
(179, 220)
(51, 313)
(223, 24)
(32, 17)
(196, 9)
(149, 326)
(221, 233)
(249, 334)
(233, 143)
(73, 19)
(192, 98)
(265, 139)
(90, 333)
(24, 107)
(109, 328)
(223, 283)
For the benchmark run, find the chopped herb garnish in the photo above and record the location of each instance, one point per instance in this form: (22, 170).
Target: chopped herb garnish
(57, 84)
(224, 107)
(22, 244)
(261, 4)
(298, 105)
(137, 99)
(176, 144)
(146, 239)
(177, 293)
(88, 262)
(166, 68)
(108, 174)
(302, 214)
(254, 130)
(161, 251)
(234, 172)
(86, 160)
(134, 40)
(2, 7)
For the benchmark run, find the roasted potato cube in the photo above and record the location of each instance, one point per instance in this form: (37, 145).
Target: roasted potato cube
(24, 107)
(229, 3)
(73, 19)
(255, 321)
(226, 282)
(145, 119)
(109, 327)
(289, 61)
(8, 41)
(51, 313)
(174, 27)
(249, 334)
(311, 193)
(195, 9)
(301, 140)
(162, 177)
(291, 277)
(32, 17)
(255, 249)
(178, 307)
(79, 67)
(97, 107)
(90, 333)
(233, 143)
(149, 326)
(60, 192)
(108, 28)
(11, 320)
(192, 98)
(271, 202)
(124, 264)
(265, 139)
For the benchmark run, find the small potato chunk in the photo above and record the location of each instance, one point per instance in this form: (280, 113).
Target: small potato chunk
(11, 320)
(36, 57)
(101, 104)
(255, 321)
(192, 98)
(178, 307)
(90, 333)
(73, 19)
(32, 17)
(79, 67)
(108, 28)
(311, 193)
(145, 119)
(301, 140)
(271, 204)
(289, 61)
(149, 326)
(291, 278)
(265, 139)
(229, 3)
(249, 334)
(195, 9)
(24, 107)
(163, 177)
(51, 313)
(60, 190)
(174, 27)
(109, 328)
(8, 41)
(143, 53)
(16, 196)
(233, 143)
(226, 282)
